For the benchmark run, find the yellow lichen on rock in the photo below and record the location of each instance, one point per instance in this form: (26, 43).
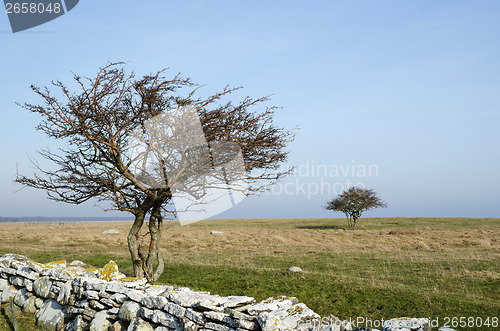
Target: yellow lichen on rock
(60, 264)
(110, 272)
(128, 279)
(294, 310)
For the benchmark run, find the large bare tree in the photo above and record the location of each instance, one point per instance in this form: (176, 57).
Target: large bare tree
(96, 119)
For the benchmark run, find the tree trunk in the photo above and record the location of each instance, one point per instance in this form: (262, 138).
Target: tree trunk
(134, 245)
(349, 222)
(154, 254)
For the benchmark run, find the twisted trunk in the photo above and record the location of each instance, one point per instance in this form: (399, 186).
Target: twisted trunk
(144, 265)
(134, 244)
(154, 257)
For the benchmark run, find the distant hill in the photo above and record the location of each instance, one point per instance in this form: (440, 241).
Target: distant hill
(63, 219)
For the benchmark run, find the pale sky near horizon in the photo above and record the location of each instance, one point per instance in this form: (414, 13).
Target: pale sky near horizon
(399, 96)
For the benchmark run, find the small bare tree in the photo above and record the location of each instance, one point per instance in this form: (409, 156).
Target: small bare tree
(97, 121)
(354, 202)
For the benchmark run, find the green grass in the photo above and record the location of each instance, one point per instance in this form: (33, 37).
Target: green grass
(389, 267)
(24, 322)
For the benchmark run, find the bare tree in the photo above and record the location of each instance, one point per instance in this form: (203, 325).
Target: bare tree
(354, 202)
(97, 120)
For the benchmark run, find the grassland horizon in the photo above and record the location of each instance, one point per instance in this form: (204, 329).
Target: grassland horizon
(387, 267)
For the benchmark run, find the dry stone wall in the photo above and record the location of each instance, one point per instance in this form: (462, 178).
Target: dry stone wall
(76, 297)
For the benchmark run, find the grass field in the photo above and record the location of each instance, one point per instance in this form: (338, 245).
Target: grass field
(389, 267)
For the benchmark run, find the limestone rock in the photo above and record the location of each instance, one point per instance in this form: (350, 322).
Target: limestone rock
(28, 284)
(217, 327)
(118, 326)
(16, 281)
(94, 284)
(3, 284)
(50, 317)
(111, 231)
(60, 264)
(77, 263)
(27, 273)
(91, 295)
(116, 287)
(154, 302)
(64, 293)
(110, 272)
(216, 232)
(129, 310)
(9, 292)
(271, 304)
(100, 322)
(29, 306)
(114, 311)
(405, 323)
(294, 269)
(21, 297)
(42, 286)
(188, 298)
(286, 318)
(89, 314)
(160, 317)
(154, 290)
(236, 301)
(216, 316)
(138, 324)
(118, 298)
(174, 309)
(78, 324)
(135, 295)
(38, 303)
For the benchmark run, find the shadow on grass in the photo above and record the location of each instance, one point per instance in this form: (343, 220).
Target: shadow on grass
(321, 227)
(7, 317)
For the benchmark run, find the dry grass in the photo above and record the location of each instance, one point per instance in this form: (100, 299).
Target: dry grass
(398, 266)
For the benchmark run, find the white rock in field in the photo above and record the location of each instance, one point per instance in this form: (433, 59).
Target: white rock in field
(111, 231)
(216, 232)
(294, 269)
(445, 329)
(77, 263)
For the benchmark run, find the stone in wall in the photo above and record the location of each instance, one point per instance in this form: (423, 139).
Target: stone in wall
(50, 317)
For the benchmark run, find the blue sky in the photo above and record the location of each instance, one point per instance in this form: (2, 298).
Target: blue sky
(407, 88)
